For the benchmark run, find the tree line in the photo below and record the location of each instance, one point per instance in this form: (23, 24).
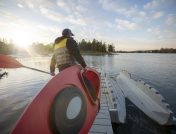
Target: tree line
(95, 46)
(7, 47)
(165, 50)
(40, 48)
(162, 50)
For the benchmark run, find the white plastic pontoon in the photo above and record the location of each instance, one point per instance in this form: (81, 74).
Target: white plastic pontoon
(146, 98)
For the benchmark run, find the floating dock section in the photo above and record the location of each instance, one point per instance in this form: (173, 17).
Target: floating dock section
(115, 89)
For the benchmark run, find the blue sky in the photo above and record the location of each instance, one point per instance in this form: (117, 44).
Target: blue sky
(128, 24)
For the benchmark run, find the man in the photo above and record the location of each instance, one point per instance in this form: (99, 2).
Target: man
(66, 52)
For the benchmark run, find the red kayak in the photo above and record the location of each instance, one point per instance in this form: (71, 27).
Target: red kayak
(68, 104)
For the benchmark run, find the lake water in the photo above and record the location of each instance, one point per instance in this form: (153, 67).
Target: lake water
(21, 85)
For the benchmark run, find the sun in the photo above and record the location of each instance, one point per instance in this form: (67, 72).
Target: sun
(21, 38)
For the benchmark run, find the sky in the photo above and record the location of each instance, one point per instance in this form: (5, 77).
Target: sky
(127, 24)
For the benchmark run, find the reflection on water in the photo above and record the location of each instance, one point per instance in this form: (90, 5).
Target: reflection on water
(19, 88)
(158, 70)
(21, 85)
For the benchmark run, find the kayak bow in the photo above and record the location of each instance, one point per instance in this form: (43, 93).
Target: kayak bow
(63, 106)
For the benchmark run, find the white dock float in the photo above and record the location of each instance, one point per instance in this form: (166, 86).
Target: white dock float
(146, 98)
(115, 89)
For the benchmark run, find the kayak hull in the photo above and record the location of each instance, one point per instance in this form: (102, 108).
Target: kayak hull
(56, 100)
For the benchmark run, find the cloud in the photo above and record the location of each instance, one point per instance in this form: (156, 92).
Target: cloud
(155, 31)
(46, 8)
(125, 25)
(76, 11)
(142, 14)
(89, 34)
(36, 31)
(162, 34)
(61, 4)
(51, 15)
(91, 19)
(170, 34)
(153, 4)
(55, 16)
(20, 5)
(37, 3)
(121, 8)
(72, 7)
(7, 15)
(159, 4)
(171, 19)
(76, 20)
(135, 13)
(157, 15)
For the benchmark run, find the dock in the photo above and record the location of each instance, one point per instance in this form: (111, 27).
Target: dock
(130, 104)
(102, 123)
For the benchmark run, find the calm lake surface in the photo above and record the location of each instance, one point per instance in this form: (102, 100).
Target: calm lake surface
(21, 85)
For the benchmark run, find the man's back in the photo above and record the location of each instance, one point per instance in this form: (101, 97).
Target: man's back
(66, 53)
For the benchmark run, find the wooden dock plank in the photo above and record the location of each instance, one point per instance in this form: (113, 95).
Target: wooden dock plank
(101, 129)
(102, 123)
(103, 116)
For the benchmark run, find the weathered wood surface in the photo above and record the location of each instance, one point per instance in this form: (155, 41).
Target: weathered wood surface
(102, 123)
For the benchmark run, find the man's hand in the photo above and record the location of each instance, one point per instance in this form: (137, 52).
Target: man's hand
(52, 74)
(84, 69)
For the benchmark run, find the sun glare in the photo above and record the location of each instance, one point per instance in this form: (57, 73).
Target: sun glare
(21, 38)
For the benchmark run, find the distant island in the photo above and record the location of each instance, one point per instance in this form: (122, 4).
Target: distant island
(162, 50)
(93, 47)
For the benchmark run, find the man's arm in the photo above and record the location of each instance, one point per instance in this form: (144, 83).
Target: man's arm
(52, 64)
(74, 51)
